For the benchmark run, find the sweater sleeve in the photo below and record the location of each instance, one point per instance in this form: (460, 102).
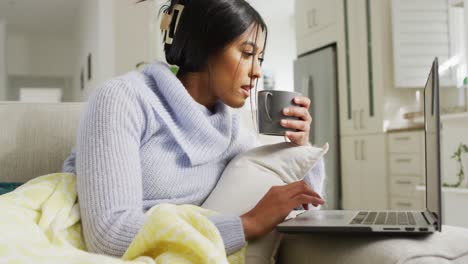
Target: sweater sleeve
(315, 177)
(231, 230)
(109, 177)
(69, 163)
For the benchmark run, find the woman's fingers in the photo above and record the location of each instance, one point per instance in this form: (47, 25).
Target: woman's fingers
(302, 101)
(302, 126)
(275, 205)
(299, 125)
(296, 137)
(300, 187)
(305, 199)
(300, 112)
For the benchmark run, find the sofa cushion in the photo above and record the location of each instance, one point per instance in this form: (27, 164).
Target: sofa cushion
(35, 138)
(448, 246)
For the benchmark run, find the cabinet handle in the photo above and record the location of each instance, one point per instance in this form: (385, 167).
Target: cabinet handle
(403, 182)
(404, 204)
(363, 150)
(403, 160)
(361, 118)
(356, 150)
(402, 138)
(355, 121)
(312, 18)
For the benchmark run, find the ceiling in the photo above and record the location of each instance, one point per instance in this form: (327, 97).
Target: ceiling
(39, 16)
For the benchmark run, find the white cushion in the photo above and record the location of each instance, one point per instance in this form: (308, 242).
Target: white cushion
(249, 176)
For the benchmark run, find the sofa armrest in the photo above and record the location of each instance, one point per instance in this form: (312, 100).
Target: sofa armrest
(448, 246)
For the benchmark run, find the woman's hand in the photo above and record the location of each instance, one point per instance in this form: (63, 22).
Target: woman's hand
(277, 203)
(301, 137)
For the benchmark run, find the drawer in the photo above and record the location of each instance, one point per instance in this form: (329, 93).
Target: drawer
(409, 142)
(406, 204)
(405, 164)
(404, 186)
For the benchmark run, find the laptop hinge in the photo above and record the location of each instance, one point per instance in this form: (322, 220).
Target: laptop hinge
(431, 218)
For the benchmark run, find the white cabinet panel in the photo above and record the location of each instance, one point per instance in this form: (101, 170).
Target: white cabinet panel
(3, 73)
(405, 142)
(362, 68)
(404, 186)
(406, 204)
(350, 173)
(374, 176)
(364, 177)
(405, 164)
(315, 15)
(406, 169)
(316, 23)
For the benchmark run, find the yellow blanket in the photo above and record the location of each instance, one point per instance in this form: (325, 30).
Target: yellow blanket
(40, 223)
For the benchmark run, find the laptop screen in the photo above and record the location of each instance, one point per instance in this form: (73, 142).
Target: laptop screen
(432, 135)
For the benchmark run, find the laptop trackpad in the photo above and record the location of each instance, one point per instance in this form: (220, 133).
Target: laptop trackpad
(329, 217)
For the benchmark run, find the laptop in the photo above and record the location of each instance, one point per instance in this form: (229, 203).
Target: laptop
(390, 221)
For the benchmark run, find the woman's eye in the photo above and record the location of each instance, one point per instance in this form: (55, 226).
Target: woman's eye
(250, 54)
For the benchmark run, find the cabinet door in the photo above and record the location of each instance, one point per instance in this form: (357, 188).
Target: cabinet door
(375, 19)
(354, 94)
(350, 173)
(316, 24)
(374, 183)
(314, 15)
(366, 26)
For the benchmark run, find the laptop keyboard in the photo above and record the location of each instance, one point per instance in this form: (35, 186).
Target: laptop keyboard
(384, 218)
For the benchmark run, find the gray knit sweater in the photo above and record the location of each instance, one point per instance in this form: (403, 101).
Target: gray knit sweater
(143, 140)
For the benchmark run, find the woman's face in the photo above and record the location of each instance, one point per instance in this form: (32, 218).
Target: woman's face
(235, 70)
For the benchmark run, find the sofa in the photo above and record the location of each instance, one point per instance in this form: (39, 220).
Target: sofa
(35, 138)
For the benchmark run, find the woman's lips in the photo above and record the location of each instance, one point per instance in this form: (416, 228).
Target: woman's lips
(246, 90)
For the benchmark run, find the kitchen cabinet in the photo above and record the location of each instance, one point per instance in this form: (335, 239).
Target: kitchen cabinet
(3, 72)
(406, 166)
(362, 66)
(364, 180)
(316, 24)
(361, 30)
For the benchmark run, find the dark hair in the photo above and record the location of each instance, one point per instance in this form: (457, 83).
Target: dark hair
(205, 28)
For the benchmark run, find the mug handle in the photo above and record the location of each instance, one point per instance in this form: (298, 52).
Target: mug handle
(266, 105)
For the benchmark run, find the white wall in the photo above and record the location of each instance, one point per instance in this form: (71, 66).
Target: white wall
(40, 54)
(465, 9)
(118, 34)
(3, 43)
(18, 54)
(95, 36)
(281, 46)
(133, 34)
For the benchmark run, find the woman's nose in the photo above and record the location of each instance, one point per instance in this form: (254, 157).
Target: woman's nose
(256, 71)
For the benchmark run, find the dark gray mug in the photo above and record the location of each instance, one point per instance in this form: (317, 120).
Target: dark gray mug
(270, 111)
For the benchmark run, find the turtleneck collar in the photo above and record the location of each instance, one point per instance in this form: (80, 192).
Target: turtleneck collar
(202, 134)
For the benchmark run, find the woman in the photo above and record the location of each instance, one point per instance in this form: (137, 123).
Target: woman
(153, 137)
